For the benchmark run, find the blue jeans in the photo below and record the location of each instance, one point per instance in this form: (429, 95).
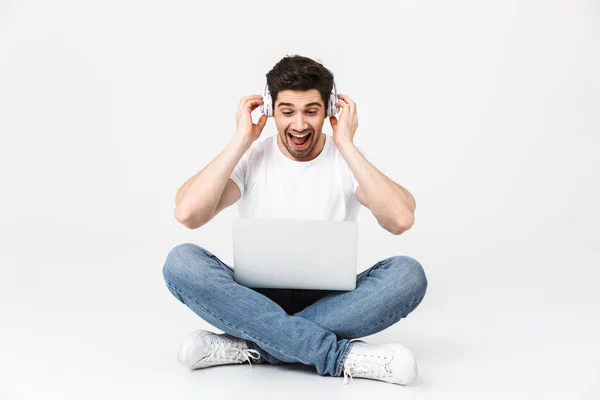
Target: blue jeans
(312, 327)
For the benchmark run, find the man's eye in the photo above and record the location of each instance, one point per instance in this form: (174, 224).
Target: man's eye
(312, 112)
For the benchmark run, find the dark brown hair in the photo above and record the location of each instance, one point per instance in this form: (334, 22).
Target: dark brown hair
(295, 72)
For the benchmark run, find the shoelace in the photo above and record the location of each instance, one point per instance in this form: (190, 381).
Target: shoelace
(245, 354)
(225, 348)
(372, 369)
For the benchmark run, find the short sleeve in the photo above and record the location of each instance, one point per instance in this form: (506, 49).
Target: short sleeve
(240, 172)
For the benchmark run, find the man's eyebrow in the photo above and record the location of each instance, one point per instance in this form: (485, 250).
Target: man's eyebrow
(314, 103)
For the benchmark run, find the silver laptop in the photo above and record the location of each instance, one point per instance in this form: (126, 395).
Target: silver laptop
(295, 254)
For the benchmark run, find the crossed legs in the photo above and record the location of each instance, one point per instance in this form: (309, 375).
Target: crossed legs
(317, 335)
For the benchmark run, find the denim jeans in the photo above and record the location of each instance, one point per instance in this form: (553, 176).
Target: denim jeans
(312, 327)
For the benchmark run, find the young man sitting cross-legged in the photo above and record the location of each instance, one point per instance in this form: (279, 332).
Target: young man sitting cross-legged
(273, 178)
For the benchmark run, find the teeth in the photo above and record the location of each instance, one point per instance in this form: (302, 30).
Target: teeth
(300, 136)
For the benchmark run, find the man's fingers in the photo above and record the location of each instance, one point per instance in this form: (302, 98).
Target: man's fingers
(348, 100)
(251, 104)
(346, 106)
(246, 98)
(262, 121)
(333, 121)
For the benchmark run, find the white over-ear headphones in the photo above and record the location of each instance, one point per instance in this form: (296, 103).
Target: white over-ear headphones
(267, 106)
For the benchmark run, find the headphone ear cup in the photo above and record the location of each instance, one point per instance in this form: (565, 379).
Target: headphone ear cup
(269, 106)
(265, 107)
(332, 110)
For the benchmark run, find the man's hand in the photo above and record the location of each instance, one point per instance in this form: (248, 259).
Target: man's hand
(248, 131)
(345, 128)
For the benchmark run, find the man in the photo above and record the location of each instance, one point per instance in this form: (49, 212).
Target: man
(300, 173)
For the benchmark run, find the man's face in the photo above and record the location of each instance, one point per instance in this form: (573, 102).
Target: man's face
(299, 113)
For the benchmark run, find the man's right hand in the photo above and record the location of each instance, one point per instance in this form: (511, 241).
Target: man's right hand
(247, 130)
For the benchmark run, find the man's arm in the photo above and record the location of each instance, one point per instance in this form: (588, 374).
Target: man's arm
(209, 191)
(391, 204)
(197, 200)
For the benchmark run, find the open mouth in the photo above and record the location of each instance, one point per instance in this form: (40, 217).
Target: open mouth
(300, 142)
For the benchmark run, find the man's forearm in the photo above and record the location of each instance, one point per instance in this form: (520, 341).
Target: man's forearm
(198, 198)
(391, 204)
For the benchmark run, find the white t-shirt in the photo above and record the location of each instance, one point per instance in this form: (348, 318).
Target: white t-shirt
(275, 187)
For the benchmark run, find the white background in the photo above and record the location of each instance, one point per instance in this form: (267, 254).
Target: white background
(487, 111)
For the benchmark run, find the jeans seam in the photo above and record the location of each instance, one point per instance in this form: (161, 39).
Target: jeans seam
(358, 334)
(224, 323)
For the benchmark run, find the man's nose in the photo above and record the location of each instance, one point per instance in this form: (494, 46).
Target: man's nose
(299, 123)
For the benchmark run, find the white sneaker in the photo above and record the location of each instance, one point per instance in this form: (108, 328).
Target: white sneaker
(201, 349)
(390, 362)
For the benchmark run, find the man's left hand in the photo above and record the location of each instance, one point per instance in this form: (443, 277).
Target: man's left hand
(344, 128)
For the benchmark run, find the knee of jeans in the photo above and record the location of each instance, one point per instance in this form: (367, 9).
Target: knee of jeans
(412, 274)
(180, 259)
